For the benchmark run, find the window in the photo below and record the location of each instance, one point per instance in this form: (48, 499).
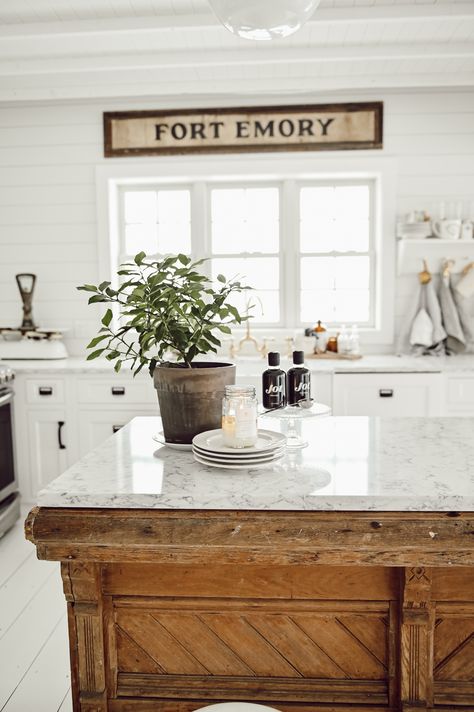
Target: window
(307, 247)
(337, 255)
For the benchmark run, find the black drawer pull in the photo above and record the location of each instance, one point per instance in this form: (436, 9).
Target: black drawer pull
(60, 441)
(386, 393)
(45, 391)
(118, 390)
(116, 428)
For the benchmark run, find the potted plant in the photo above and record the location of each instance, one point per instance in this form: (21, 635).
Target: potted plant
(168, 307)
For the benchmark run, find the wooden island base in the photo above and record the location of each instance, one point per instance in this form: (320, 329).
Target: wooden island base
(328, 612)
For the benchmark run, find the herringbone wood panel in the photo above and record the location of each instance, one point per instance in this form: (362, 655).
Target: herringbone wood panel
(300, 645)
(454, 649)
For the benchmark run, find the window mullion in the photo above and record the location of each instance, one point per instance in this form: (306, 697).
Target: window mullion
(200, 225)
(289, 247)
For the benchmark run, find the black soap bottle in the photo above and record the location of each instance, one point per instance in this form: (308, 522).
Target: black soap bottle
(273, 383)
(298, 380)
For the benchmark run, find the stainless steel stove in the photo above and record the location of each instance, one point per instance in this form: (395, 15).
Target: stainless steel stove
(9, 495)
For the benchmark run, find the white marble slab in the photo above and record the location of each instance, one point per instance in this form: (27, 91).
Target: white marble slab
(352, 463)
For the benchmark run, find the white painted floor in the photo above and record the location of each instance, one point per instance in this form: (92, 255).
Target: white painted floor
(34, 653)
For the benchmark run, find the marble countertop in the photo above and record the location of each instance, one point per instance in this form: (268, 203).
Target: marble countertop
(251, 366)
(352, 463)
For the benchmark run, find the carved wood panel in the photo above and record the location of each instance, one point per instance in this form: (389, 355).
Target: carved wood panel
(306, 651)
(454, 657)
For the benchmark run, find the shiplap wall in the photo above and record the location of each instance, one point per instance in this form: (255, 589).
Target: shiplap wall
(48, 155)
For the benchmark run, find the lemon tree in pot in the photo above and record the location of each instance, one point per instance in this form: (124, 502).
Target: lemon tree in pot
(168, 307)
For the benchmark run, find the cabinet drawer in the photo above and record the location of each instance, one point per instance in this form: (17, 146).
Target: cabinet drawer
(389, 394)
(95, 426)
(44, 391)
(116, 392)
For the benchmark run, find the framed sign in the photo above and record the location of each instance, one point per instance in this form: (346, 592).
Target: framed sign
(319, 127)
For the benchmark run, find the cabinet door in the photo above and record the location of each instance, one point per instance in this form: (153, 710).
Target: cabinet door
(48, 446)
(389, 394)
(95, 426)
(460, 395)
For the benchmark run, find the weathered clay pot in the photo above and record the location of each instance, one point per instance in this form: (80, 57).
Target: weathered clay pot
(191, 398)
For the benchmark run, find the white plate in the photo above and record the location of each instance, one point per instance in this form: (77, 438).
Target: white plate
(232, 461)
(160, 438)
(239, 455)
(240, 466)
(212, 442)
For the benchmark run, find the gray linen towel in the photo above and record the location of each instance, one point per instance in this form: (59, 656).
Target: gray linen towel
(425, 300)
(434, 310)
(456, 341)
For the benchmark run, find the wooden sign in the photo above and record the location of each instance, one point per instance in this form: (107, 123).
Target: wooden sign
(318, 127)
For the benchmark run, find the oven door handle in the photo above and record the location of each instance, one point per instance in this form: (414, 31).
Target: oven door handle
(6, 398)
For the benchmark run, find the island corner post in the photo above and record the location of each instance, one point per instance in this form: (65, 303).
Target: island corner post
(323, 611)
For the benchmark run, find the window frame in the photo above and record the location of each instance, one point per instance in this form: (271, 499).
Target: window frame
(371, 252)
(288, 172)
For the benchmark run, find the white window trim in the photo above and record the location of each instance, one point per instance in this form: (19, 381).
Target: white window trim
(271, 167)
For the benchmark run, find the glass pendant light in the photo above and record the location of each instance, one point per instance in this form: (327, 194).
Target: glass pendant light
(263, 19)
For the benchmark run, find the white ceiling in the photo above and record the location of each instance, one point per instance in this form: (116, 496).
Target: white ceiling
(59, 49)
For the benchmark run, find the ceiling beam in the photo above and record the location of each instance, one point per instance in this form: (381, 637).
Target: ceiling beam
(198, 21)
(268, 55)
(153, 90)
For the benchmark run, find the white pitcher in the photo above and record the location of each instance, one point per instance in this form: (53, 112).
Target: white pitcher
(447, 229)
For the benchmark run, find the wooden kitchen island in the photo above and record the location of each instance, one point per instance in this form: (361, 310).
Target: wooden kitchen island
(341, 581)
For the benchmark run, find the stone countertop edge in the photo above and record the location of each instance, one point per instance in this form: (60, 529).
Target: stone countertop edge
(352, 463)
(371, 363)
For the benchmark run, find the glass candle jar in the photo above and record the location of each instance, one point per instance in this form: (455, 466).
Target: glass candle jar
(239, 416)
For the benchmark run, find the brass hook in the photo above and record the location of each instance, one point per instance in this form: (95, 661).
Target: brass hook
(447, 267)
(425, 275)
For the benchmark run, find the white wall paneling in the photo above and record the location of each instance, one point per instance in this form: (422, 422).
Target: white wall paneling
(50, 215)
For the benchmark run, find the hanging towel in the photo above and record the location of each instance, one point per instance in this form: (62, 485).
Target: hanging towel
(434, 311)
(465, 316)
(422, 330)
(456, 340)
(416, 336)
(465, 286)
(463, 293)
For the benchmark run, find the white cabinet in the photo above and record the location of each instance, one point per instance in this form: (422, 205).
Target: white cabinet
(106, 392)
(60, 418)
(460, 394)
(389, 394)
(95, 426)
(48, 444)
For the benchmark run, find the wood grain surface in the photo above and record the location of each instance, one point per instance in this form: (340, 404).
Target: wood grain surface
(320, 612)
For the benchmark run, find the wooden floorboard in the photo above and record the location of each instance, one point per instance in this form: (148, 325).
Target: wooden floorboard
(47, 680)
(14, 550)
(34, 655)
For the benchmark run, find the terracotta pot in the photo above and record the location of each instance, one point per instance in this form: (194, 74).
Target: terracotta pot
(191, 398)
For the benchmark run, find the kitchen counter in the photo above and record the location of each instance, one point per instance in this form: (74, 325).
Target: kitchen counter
(342, 580)
(250, 365)
(358, 463)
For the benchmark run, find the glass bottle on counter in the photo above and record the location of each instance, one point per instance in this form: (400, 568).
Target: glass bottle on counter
(239, 416)
(273, 383)
(298, 380)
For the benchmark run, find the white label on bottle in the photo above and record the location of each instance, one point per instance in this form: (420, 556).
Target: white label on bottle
(274, 389)
(302, 387)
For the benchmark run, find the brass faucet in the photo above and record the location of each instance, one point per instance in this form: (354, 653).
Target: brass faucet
(260, 348)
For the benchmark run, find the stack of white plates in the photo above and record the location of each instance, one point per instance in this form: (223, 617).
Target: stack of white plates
(209, 449)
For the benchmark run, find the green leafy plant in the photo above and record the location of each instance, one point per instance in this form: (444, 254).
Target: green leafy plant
(163, 305)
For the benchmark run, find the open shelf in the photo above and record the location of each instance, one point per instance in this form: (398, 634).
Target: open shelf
(411, 254)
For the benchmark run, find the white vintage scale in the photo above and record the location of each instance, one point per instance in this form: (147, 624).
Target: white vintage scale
(28, 341)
